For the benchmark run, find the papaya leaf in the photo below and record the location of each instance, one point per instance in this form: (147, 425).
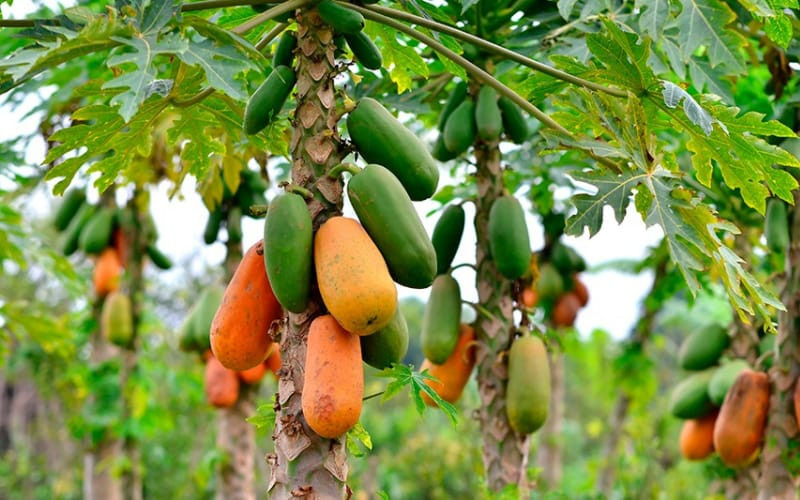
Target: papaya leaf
(265, 415)
(403, 61)
(358, 434)
(702, 23)
(625, 57)
(219, 63)
(654, 15)
(404, 375)
(673, 95)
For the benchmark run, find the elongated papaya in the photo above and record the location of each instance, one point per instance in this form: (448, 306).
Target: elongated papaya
(386, 212)
(221, 384)
(253, 375)
(508, 237)
(702, 348)
(234, 225)
(440, 322)
(514, 124)
(488, 119)
(776, 226)
(96, 235)
(440, 151)
(71, 235)
(456, 98)
(447, 236)
(240, 329)
(341, 19)
(253, 181)
(107, 272)
(740, 426)
(116, 319)
(697, 437)
(549, 284)
(334, 378)
(157, 257)
(284, 50)
(528, 389)
(566, 259)
(203, 314)
(186, 337)
(353, 279)
(454, 373)
(565, 310)
(689, 398)
(267, 101)
(724, 378)
(388, 345)
(72, 202)
(288, 236)
(273, 361)
(459, 131)
(380, 138)
(364, 50)
(212, 226)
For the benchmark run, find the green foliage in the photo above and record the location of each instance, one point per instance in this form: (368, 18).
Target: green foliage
(406, 376)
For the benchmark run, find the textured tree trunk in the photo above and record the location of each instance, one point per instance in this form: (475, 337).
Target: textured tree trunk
(236, 437)
(549, 452)
(304, 464)
(505, 453)
(777, 482)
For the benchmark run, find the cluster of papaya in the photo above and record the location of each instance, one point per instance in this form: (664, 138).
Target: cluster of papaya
(222, 385)
(724, 403)
(249, 193)
(486, 116)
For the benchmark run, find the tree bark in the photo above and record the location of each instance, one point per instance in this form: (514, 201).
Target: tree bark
(304, 464)
(505, 453)
(549, 453)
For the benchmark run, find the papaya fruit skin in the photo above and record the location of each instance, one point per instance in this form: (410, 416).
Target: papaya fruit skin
(386, 212)
(566, 259)
(689, 399)
(380, 138)
(71, 235)
(454, 373)
(580, 290)
(740, 426)
(509, 242)
(288, 238)
(253, 375)
(341, 19)
(221, 384)
(212, 226)
(202, 315)
(334, 378)
(440, 151)
(73, 200)
(388, 345)
(528, 388)
(697, 437)
(724, 378)
(441, 319)
(565, 310)
(234, 225)
(703, 348)
(186, 336)
(776, 226)
(514, 124)
(273, 361)
(107, 272)
(459, 131)
(488, 119)
(364, 50)
(96, 235)
(284, 50)
(267, 101)
(240, 328)
(549, 284)
(157, 257)
(116, 319)
(353, 279)
(456, 98)
(447, 236)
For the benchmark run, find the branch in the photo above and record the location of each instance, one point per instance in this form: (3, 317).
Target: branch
(277, 30)
(185, 103)
(268, 14)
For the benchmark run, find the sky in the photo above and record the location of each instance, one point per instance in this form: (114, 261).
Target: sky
(614, 297)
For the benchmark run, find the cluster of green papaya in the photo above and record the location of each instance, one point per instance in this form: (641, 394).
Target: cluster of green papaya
(194, 332)
(249, 193)
(485, 116)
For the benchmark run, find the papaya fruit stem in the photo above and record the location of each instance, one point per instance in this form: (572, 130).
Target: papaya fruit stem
(185, 103)
(479, 309)
(270, 36)
(257, 210)
(294, 188)
(268, 14)
(371, 396)
(343, 167)
(464, 264)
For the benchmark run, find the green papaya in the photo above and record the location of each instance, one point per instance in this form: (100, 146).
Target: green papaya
(364, 50)
(253, 181)
(456, 98)
(447, 236)
(71, 236)
(380, 138)
(73, 200)
(206, 307)
(96, 235)
(157, 257)
(488, 119)
(116, 319)
(389, 217)
(284, 50)
(340, 43)
(267, 101)
(723, 380)
(471, 52)
(288, 239)
(186, 337)
(689, 398)
(508, 237)
(212, 226)
(514, 124)
(776, 226)
(388, 345)
(554, 224)
(549, 284)
(341, 19)
(234, 225)
(441, 320)
(440, 151)
(566, 259)
(459, 131)
(702, 348)
(528, 389)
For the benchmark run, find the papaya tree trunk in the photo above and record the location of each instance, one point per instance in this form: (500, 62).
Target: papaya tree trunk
(236, 438)
(777, 480)
(305, 464)
(548, 454)
(505, 452)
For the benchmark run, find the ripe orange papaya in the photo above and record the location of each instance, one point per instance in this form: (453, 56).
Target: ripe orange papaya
(221, 384)
(697, 437)
(240, 330)
(353, 278)
(740, 426)
(273, 361)
(566, 309)
(253, 375)
(107, 272)
(580, 290)
(454, 373)
(333, 386)
(528, 298)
